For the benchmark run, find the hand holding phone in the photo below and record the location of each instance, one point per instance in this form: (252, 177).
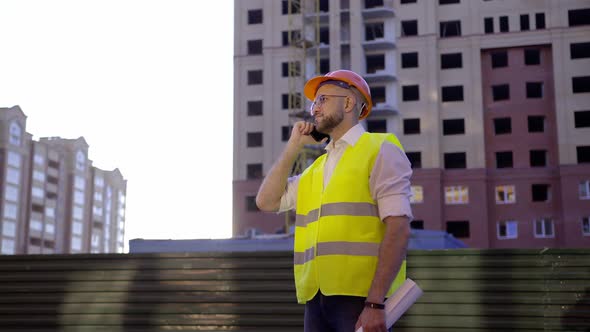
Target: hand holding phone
(319, 136)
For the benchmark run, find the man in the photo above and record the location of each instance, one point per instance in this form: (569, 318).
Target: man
(352, 205)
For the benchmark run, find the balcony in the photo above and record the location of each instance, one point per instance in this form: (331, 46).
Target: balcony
(313, 17)
(379, 44)
(383, 109)
(324, 50)
(378, 9)
(378, 76)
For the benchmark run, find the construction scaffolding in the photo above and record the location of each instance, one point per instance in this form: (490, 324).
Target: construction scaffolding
(304, 63)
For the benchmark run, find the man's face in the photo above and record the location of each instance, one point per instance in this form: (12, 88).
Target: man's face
(328, 111)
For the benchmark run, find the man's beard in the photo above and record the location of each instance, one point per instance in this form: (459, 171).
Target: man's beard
(329, 122)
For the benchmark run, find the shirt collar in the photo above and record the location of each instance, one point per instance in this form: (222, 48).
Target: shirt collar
(350, 137)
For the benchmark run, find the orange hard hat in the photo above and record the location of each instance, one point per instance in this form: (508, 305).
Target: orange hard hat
(349, 77)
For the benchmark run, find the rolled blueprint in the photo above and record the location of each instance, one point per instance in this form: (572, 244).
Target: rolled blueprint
(400, 302)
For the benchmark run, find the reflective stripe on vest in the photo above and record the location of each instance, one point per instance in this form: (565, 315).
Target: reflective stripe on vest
(334, 209)
(338, 248)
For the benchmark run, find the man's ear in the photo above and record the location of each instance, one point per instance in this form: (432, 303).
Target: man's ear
(350, 102)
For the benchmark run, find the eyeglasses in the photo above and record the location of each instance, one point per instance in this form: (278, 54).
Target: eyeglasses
(320, 100)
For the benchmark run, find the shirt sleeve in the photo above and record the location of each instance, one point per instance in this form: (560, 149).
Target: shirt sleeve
(289, 198)
(390, 182)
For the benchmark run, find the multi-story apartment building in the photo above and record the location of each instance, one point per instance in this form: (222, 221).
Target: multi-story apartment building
(490, 98)
(53, 199)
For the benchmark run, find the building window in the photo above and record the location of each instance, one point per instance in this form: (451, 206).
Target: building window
(410, 93)
(580, 50)
(324, 66)
(454, 127)
(291, 101)
(38, 159)
(79, 182)
(12, 176)
(324, 6)
(80, 160)
(325, 35)
(76, 243)
(456, 195)
(417, 195)
(504, 159)
(411, 126)
(254, 108)
(254, 47)
(37, 192)
(290, 37)
(505, 195)
(532, 57)
(584, 189)
(255, 16)
(578, 17)
(538, 158)
(455, 160)
(285, 133)
(534, 90)
(544, 228)
(15, 134)
(459, 229)
(488, 25)
(452, 93)
(448, 2)
(254, 77)
(524, 22)
(409, 28)
(582, 119)
(14, 159)
(377, 126)
(417, 224)
(507, 229)
(253, 171)
(374, 31)
(11, 193)
(502, 126)
(586, 226)
(254, 139)
(583, 154)
(251, 204)
(7, 246)
(378, 94)
(536, 123)
(581, 84)
(501, 92)
(9, 228)
(450, 29)
(410, 60)
(504, 24)
(294, 9)
(415, 159)
(499, 59)
(541, 192)
(451, 60)
(540, 21)
(375, 63)
(404, 2)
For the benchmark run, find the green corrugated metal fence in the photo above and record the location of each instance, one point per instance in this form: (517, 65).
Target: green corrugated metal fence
(464, 290)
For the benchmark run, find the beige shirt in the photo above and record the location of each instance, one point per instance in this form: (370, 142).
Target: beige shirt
(389, 181)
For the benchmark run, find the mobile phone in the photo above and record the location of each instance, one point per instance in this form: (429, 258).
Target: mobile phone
(318, 136)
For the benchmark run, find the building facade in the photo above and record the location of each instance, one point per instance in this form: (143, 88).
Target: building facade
(490, 98)
(53, 199)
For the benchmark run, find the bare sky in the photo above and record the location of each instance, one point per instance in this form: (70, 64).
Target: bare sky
(149, 84)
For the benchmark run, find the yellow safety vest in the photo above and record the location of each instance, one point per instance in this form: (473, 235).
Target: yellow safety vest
(338, 231)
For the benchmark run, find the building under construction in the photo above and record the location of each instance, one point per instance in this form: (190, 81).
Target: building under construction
(491, 100)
